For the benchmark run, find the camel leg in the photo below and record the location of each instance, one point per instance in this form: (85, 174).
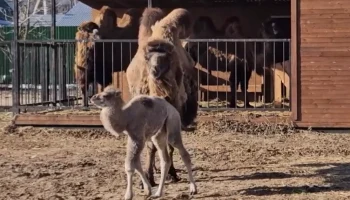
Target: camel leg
(172, 170)
(150, 162)
(85, 97)
(233, 88)
(186, 158)
(244, 82)
(132, 163)
(160, 141)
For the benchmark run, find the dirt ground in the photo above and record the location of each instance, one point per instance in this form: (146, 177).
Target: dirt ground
(231, 160)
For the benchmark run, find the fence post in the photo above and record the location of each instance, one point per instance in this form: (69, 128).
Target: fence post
(15, 64)
(53, 51)
(62, 74)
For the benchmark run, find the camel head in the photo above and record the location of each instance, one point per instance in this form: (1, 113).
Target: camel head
(87, 33)
(107, 98)
(158, 55)
(275, 28)
(232, 28)
(204, 28)
(88, 27)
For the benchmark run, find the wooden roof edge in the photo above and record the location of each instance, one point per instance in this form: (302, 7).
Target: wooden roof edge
(92, 3)
(97, 4)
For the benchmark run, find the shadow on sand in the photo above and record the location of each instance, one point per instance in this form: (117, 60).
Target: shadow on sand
(336, 176)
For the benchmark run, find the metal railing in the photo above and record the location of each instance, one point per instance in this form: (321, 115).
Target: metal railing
(6, 75)
(231, 73)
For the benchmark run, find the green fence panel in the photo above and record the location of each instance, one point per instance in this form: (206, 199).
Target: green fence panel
(31, 55)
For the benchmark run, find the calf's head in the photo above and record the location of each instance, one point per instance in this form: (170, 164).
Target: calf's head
(108, 98)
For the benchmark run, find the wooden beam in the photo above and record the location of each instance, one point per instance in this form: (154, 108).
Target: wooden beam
(332, 125)
(111, 3)
(295, 60)
(94, 120)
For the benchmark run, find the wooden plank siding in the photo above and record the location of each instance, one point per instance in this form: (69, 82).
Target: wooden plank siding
(324, 63)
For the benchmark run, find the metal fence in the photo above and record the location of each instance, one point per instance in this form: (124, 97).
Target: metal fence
(231, 73)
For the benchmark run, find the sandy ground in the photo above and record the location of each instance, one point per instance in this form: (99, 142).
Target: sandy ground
(231, 161)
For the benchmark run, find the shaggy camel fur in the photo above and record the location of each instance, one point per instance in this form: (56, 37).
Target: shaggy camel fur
(104, 58)
(144, 118)
(83, 71)
(162, 67)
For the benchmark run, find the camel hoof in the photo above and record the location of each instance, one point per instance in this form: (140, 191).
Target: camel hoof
(151, 182)
(193, 189)
(173, 179)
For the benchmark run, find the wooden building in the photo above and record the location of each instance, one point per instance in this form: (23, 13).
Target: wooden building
(320, 58)
(320, 50)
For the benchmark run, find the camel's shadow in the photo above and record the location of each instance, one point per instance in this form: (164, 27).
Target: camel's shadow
(336, 177)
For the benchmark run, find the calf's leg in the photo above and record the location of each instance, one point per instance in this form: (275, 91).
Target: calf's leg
(132, 163)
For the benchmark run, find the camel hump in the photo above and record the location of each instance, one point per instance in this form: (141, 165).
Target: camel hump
(147, 102)
(150, 16)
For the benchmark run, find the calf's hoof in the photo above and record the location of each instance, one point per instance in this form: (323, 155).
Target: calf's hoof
(128, 196)
(193, 189)
(151, 182)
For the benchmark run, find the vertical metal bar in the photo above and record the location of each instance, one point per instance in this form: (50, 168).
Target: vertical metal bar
(94, 85)
(53, 51)
(284, 79)
(120, 77)
(150, 2)
(42, 72)
(37, 74)
(112, 68)
(264, 102)
(104, 66)
(63, 81)
(86, 87)
(21, 70)
(272, 79)
(245, 77)
(15, 71)
(235, 86)
(255, 100)
(69, 64)
(23, 75)
(208, 73)
(226, 63)
(217, 78)
(30, 72)
(198, 74)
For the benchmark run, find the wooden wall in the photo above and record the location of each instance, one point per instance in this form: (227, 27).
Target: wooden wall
(324, 63)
